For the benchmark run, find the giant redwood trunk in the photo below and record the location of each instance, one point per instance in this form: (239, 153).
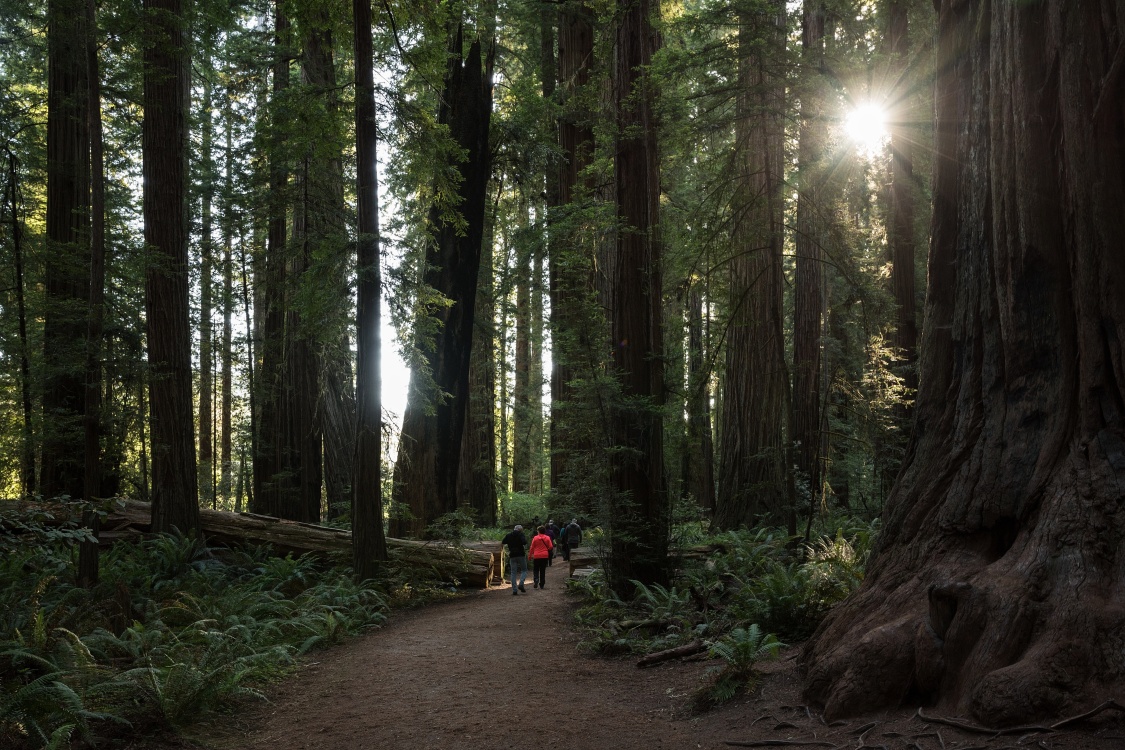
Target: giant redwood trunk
(900, 234)
(809, 290)
(570, 265)
(68, 244)
(369, 546)
(639, 518)
(476, 483)
(997, 588)
(272, 483)
(751, 464)
(168, 323)
(426, 470)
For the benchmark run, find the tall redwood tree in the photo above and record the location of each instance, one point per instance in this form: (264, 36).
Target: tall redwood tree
(429, 454)
(996, 590)
(369, 546)
(168, 323)
(639, 518)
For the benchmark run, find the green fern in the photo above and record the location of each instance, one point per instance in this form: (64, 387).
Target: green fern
(740, 650)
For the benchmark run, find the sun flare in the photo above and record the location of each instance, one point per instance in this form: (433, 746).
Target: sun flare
(866, 127)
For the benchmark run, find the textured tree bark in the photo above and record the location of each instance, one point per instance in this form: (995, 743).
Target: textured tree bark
(476, 483)
(995, 591)
(271, 483)
(901, 228)
(701, 450)
(752, 475)
(535, 376)
(68, 244)
(27, 438)
(521, 390)
(88, 557)
(369, 545)
(639, 514)
(324, 424)
(808, 296)
(168, 322)
(227, 343)
(570, 266)
(428, 463)
(206, 290)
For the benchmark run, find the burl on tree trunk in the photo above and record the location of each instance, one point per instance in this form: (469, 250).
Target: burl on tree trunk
(998, 589)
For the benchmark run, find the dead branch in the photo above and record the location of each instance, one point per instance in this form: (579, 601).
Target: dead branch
(673, 653)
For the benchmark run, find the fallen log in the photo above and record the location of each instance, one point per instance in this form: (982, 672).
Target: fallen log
(470, 564)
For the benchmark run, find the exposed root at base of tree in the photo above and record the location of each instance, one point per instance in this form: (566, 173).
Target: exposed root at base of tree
(863, 731)
(778, 743)
(963, 725)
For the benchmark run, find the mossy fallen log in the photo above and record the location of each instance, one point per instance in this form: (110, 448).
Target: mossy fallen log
(470, 564)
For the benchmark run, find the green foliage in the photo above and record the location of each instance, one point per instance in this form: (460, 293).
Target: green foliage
(175, 629)
(517, 507)
(452, 527)
(740, 650)
(751, 590)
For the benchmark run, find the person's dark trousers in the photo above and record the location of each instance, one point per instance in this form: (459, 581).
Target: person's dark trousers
(566, 552)
(540, 571)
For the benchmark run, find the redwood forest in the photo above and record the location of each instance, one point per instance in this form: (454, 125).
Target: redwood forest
(793, 328)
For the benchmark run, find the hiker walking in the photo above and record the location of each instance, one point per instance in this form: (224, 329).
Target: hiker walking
(552, 531)
(573, 536)
(541, 546)
(517, 560)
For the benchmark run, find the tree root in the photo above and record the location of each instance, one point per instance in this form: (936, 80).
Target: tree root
(779, 743)
(963, 725)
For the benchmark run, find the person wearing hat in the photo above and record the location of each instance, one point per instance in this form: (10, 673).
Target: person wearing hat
(517, 557)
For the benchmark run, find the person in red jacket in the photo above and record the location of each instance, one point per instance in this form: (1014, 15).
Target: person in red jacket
(541, 546)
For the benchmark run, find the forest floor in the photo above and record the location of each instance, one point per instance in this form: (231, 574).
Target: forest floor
(491, 670)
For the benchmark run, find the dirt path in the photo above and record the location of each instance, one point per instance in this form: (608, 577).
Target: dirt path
(492, 670)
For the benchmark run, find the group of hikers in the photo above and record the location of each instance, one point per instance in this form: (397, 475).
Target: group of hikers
(541, 550)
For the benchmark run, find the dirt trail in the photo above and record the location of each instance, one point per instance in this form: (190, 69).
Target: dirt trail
(492, 670)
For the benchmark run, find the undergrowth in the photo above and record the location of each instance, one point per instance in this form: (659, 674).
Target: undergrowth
(745, 594)
(173, 629)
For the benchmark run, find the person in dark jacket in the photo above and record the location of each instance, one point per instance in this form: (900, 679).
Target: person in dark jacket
(552, 531)
(517, 557)
(572, 534)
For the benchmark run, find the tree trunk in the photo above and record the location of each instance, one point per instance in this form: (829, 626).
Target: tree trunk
(521, 391)
(639, 518)
(92, 476)
(535, 375)
(752, 473)
(225, 446)
(700, 480)
(206, 292)
(808, 296)
(325, 423)
(271, 482)
(369, 546)
(27, 438)
(168, 323)
(570, 265)
(425, 479)
(995, 588)
(68, 249)
(900, 236)
(477, 481)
